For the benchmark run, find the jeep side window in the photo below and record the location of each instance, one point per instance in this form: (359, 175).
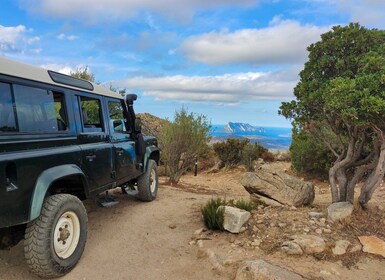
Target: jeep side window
(91, 114)
(35, 110)
(7, 114)
(117, 120)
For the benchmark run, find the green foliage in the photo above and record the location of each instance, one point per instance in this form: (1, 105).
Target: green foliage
(230, 151)
(183, 142)
(244, 204)
(309, 156)
(212, 216)
(341, 94)
(83, 73)
(250, 153)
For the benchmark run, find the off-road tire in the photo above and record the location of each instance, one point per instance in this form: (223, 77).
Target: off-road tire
(148, 182)
(39, 246)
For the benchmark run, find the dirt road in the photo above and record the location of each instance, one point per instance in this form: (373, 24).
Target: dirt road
(134, 240)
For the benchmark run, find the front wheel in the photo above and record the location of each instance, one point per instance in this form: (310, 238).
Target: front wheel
(55, 241)
(148, 182)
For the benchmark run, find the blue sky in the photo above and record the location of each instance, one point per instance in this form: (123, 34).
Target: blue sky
(232, 60)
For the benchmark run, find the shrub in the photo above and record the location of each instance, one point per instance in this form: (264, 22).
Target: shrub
(230, 151)
(250, 153)
(212, 216)
(310, 156)
(245, 204)
(183, 141)
(267, 156)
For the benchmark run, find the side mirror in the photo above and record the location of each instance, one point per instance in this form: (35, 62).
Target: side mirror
(130, 98)
(138, 124)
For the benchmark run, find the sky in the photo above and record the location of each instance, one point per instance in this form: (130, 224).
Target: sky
(231, 60)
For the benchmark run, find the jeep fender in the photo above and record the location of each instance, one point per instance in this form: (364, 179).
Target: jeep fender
(45, 180)
(152, 152)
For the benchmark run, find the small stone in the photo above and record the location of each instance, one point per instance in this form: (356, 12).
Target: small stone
(339, 211)
(199, 231)
(306, 229)
(312, 222)
(310, 244)
(356, 248)
(316, 215)
(341, 247)
(259, 221)
(282, 225)
(234, 218)
(256, 243)
(172, 226)
(318, 231)
(242, 230)
(232, 239)
(272, 224)
(255, 229)
(291, 248)
(200, 243)
(327, 230)
(192, 242)
(293, 208)
(322, 220)
(238, 242)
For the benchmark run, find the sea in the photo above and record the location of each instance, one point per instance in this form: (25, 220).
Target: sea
(272, 138)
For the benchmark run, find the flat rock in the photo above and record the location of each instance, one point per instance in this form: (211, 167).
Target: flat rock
(234, 218)
(259, 269)
(372, 245)
(277, 187)
(339, 211)
(310, 244)
(316, 215)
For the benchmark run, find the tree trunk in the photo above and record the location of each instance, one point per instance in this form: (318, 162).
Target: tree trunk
(342, 183)
(375, 177)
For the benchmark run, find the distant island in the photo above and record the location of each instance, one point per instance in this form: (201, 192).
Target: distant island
(233, 127)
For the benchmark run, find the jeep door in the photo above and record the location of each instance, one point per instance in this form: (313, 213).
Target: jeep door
(94, 142)
(124, 155)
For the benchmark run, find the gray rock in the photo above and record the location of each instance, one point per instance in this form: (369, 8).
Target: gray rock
(260, 269)
(339, 211)
(355, 248)
(310, 244)
(278, 187)
(234, 218)
(291, 248)
(316, 215)
(341, 247)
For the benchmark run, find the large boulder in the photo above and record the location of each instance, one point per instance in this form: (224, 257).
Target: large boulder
(260, 269)
(278, 188)
(234, 218)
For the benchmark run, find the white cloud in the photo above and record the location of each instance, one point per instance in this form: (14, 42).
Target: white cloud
(93, 11)
(66, 68)
(16, 39)
(63, 36)
(284, 41)
(230, 88)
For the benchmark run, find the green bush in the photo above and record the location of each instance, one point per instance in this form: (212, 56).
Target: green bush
(230, 151)
(310, 156)
(212, 216)
(250, 153)
(183, 142)
(245, 204)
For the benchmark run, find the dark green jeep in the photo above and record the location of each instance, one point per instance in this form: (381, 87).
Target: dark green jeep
(63, 140)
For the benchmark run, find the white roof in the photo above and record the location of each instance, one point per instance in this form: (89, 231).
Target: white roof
(26, 71)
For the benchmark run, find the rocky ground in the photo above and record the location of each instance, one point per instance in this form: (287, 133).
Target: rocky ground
(166, 239)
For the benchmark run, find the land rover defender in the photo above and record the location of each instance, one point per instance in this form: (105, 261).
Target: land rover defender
(64, 140)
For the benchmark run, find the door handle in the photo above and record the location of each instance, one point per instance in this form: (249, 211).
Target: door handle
(91, 157)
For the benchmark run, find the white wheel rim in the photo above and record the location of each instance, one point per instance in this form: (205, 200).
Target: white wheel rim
(66, 235)
(153, 180)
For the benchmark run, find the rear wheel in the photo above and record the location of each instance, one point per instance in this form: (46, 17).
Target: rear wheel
(55, 241)
(148, 182)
